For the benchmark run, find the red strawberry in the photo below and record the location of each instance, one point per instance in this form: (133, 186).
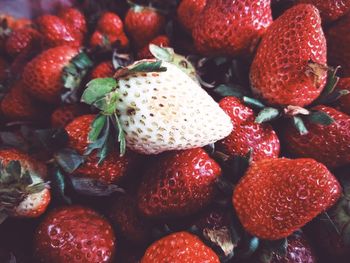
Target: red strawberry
(231, 27)
(328, 144)
(103, 70)
(178, 183)
(344, 101)
(65, 114)
(124, 215)
(188, 12)
(43, 75)
(23, 178)
(338, 38)
(143, 24)
(179, 247)
(112, 169)
(247, 134)
(278, 196)
(18, 106)
(330, 10)
(21, 40)
(289, 66)
(162, 41)
(75, 19)
(74, 234)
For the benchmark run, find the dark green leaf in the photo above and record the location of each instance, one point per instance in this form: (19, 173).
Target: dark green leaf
(82, 61)
(161, 53)
(224, 90)
(121, 135)
(320, 117)
(98, 144)
(58, 186)
(299, 125)
(93, 187)
(267, 114)
(253, 102)
(96, 127)
(98, 88)
(68, 159)
(14, 169)
(148, 66)
(332, 81)
(36, 188)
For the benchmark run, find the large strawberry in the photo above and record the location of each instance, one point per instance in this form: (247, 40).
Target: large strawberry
(179, 247)
(289, 67)
(23, 39)
(247, 135)
(23, 192)
(178, 183)
(143, 24)
(46, 76)
(231, 27)
(74, 234)
(112, 169)
(278, 196)
(157, 107)
(188, 12)
(328, 144)
(338, 38)
(66, 113)
(330, 10)
(344, 101)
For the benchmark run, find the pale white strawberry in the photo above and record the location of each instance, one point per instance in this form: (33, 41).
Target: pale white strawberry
(164, 110)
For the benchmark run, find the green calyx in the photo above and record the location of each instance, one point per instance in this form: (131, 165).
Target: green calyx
(15, 185)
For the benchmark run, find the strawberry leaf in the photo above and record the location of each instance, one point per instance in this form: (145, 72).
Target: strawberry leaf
(97, 126)
(108, 103)
(299, 125)
(267, 114)
(121, 135)
(93, 187)
(253, 102)
(121, 60)
(97, 89)
(101, 139)
(224, 90)
(68, 159)
(58, 186)
(147, 66)
(82, 61)
(320, 117)
(220, 237)
(161, 53)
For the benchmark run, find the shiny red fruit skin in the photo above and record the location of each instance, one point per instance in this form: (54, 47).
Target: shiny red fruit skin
(180, 247)
(143, 24)
(279, 73)
(344, 101)
(328, 144)
(74, 234)
(338, 38)
(103, 70)
(231, 28)
(43, 75)
(65, 114)
(178, 183)
(112, 169)
(247, 134)
(110, 24)
(74, 19)
(21, 40)
(278, 196)
(161, 41)
(188, 12)
(330, 10)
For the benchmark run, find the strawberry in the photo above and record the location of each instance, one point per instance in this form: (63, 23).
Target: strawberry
(247, 134)
(289, 67)
(22, 187)
(344, 101)
(65, 114)
(74, 234)
(45, 77)
(112, 169)
(179, 247)
(330, 10)
(103, 70)
(74, 19)
(17, 105)
(125, 216)
(143, 24)
(160, 108)
(231, 28)
(178, 183)
(162, 41)
(188, 12)
(21, 40)
(327, 144)
(278, 196)
(338, 49)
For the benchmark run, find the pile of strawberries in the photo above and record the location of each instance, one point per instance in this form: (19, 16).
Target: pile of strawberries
(176, 131)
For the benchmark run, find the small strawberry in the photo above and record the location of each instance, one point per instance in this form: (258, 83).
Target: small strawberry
(46, 76)
(327, 144)
(74, 234)
(17, 105)
(179, 247)
(65, 114)
(231, 27)
(338, 50)
(103, 70)
(188, 12)
(247, 134)
(157, 108)
(330, 10)
(23, 192)
(289, 67)
(143, 24)
(178, 183)
(125, 216)
(278, 196)
(161, 41)
(23, 39)
(344, 101)
(74, 19)
(112, 169)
